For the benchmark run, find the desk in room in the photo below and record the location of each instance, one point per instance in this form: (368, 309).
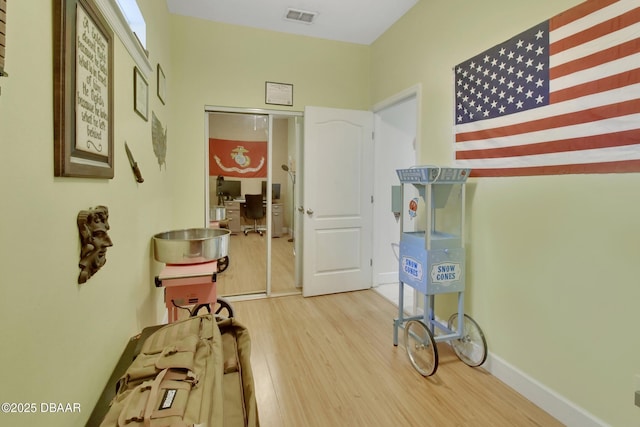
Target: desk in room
(235, 215)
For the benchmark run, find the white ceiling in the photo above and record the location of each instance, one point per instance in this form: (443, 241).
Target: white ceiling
(353, 21)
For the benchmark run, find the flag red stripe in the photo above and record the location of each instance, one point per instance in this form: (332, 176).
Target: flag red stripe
(577, 12)
(623, 166)
(586, 33)
(602, 57)
(562, 120)
(599, 30)
(608, 83)
(616, 139)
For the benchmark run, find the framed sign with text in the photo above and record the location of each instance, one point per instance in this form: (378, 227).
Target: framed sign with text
(278, 93)
(82, 90)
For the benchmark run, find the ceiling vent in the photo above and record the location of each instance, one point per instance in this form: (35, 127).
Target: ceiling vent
(303, 16)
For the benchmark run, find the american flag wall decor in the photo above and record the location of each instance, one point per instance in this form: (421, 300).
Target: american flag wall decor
(560, 98)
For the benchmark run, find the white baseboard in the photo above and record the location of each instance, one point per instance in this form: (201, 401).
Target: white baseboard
(556, 405)
(387, 278)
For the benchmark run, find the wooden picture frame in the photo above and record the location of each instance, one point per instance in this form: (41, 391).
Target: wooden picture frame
(162, 85)
(140, 94)
(278, 93)
(82, 91)
(3, 35)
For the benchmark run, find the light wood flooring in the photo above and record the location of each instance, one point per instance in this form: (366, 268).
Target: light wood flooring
(330, 361)
(247, 271)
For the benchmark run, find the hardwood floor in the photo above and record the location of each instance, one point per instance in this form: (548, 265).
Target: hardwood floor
(247, 271)
(330, 361)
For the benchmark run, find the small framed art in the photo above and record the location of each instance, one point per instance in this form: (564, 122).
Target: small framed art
(162, 85)
(278, 93)
(140, 94)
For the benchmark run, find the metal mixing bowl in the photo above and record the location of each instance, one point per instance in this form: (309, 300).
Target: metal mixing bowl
(191, 246)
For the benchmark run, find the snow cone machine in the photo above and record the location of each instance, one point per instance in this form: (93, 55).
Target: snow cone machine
(432, 262)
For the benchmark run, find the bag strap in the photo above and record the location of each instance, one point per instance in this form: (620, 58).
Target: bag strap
(134, 405)
(153, 397)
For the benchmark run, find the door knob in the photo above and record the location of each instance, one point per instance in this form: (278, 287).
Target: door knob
(309, 212)
(300, 208)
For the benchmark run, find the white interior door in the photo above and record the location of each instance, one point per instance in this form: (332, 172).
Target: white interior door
(338, 209)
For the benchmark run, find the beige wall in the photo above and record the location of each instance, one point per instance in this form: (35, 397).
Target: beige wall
(60, 340)
(227, 66)
(552, 261)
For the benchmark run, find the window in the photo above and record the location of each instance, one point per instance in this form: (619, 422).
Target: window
(114, 13)
(134, 18)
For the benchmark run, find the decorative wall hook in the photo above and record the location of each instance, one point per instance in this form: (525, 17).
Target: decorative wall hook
(93, 225)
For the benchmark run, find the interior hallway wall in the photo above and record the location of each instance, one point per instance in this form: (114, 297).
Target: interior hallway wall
(61, 340)
(552, 267)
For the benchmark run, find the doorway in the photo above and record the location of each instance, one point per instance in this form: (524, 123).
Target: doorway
(396, 126)
(254, 152)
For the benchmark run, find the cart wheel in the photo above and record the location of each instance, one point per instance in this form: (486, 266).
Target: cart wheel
(421, 347)
(223, 263)
(471, 348)
(221, 308)
(199, 307)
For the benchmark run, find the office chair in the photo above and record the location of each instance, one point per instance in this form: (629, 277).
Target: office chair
(254, 210)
